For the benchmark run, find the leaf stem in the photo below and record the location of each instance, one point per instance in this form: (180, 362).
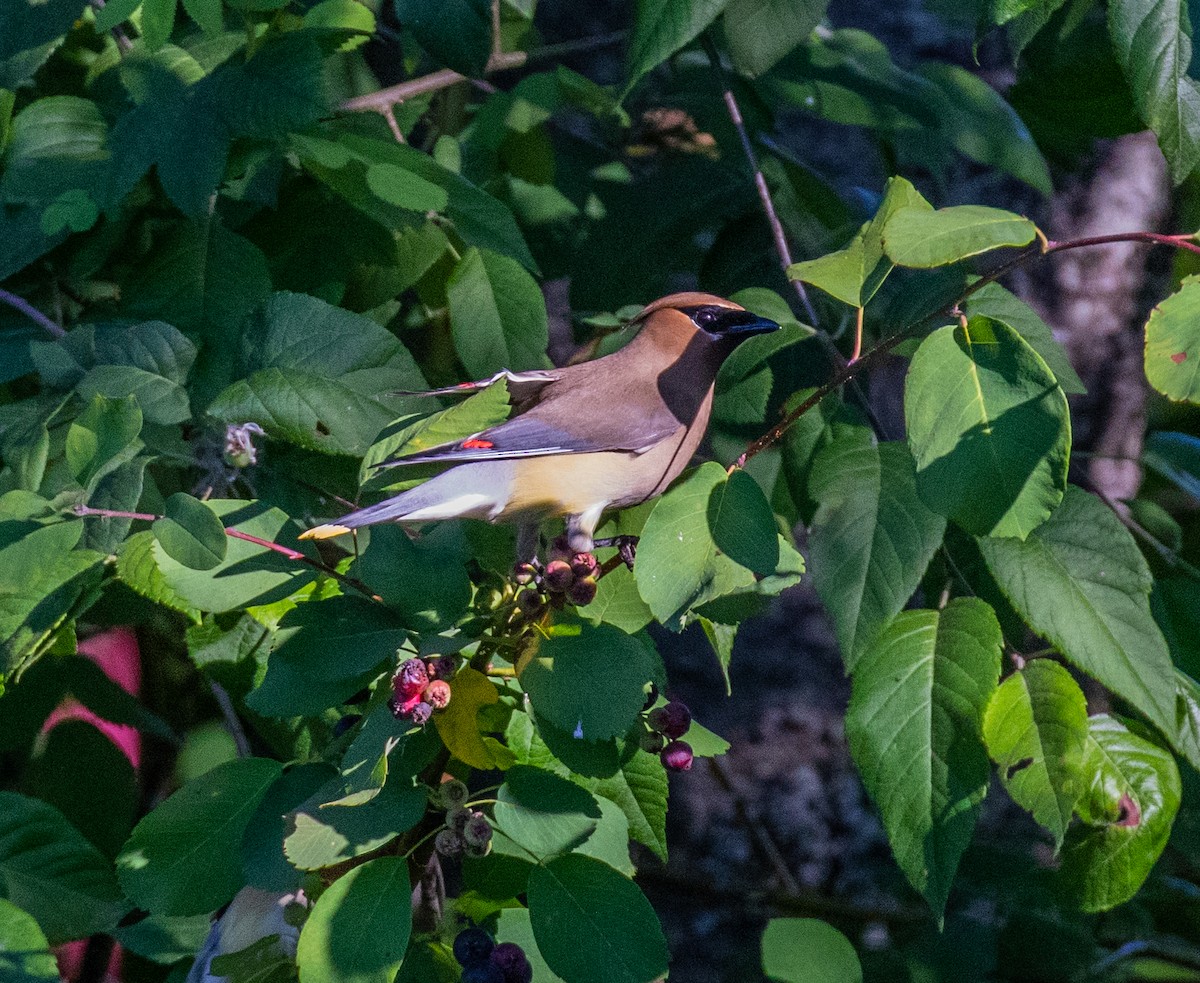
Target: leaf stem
(31, 312)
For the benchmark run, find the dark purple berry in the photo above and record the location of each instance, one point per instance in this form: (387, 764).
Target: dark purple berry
(437, 694)
(410, 679)
(510, 959)
(652, 741)
(443, 667)
(677, 756)
(558, 576)
(472, 946)
(482, 973)
(672, 720)
(583, 591)
(524, 573)
(421, 713)
(478, 831)
(584, 564)
(449, 843)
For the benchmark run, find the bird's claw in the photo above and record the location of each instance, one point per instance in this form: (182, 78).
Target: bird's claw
(626, 547)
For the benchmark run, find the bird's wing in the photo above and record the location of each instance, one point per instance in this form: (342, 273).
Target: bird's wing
(521, 385)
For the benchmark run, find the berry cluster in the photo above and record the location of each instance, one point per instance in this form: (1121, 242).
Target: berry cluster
(568, 576)
(666, 724)
(467, 830)
(485, 962)
(420, 687)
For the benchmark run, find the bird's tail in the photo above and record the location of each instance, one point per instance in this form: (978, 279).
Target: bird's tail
(477, 491)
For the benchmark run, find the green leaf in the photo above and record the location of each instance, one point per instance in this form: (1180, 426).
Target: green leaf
(329, 650)
(1127, 813)
(872, 537)
(543, 813)
(999, 304)
(103, 437)
(359, 928)
(321, 376)
(1173, 343)
(206, 14)
(25, 955)
(323, 832)
(185, 857)
(591, 683)
(914, 730)
(592, 925)
(1152, 41)
(808, 950)
(137, 569)
(513, 925)
(53, 873)
(639, 788)
(56, 145)
(404, 189)
(1081, 582)
(119, 490)
(156, 348)
(760, 32)
(855, 273)
(989, 428)
(190, 533)
(497, 315)
(1035, 729)
(743, 524)
(264, 864)
(28, 25)
(250, 574)
(1176, 456)
(458, 33)
(924, 239)
(424, 580)
(1186, 738)
(662, 27)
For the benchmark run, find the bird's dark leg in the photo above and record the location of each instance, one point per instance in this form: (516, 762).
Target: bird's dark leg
(626, 547)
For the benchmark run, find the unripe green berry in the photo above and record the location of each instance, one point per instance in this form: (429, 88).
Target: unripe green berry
(524, 573)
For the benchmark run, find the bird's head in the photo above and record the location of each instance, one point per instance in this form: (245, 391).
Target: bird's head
(681, 320)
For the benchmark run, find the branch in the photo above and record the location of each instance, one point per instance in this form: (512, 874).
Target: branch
(1038, 249)
(31, 312)
(291, 554)
(760, 182)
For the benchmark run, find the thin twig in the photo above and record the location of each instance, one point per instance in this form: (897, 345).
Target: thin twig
(232, 723)
(31, 312)
(761, 836)
(287, 551)
(760, 182)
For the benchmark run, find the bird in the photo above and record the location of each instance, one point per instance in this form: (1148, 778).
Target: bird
(583, 439)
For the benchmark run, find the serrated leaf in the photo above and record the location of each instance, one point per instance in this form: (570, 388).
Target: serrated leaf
(543, 813)
(1127, 814)
(57, 145)
(185, 858)
(662, 27)
(1173, 343)
(120, 491)
(592, 925)
(102, 437)
(359, 928)
(190, 533)
(913, 726)
(639, 788)
(854, 274)
(1080, 582)
(25, 955)
(1035, 728)
(925, 239)
(137, 569)
(808, 950)
(872, 537)
(48, 869)
(497, 315)
(1153, 45)
(989, 428)
(324, 832)
(27, 25)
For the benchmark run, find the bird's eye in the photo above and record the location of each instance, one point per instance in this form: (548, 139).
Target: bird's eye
(705, 317)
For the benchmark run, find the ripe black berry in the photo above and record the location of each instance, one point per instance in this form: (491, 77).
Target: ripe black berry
(443, 667)
(677, 756)
(449, 843)
(472, 946)
(482, 973)
(672, 720)
(510, 959)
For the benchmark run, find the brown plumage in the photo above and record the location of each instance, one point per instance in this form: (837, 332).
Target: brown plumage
(583, 439)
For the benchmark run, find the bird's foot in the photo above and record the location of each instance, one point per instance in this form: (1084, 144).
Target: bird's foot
(626, 547)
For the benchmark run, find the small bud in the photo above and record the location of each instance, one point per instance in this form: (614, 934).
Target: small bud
(584, 564)
(582, 592)
(671, 720)
(410, 679)
(558, 576)
(488, 599)
(478, 831)
(437, 694)
(454, 793)
(677, 756)
(524, 573)
(510, 959)
(449, 843)
(240, 451)
(472, 946)
(421, 713)
(443, 667)
(652, 741)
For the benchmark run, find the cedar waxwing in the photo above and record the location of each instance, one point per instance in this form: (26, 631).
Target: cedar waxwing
(605, 434)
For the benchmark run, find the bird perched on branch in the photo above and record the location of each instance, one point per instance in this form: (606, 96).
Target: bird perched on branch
(605, 434)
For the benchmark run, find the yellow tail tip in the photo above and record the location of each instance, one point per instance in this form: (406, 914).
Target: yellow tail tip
(324, 532)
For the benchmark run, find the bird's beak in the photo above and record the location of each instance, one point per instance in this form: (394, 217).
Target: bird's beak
(740, 324)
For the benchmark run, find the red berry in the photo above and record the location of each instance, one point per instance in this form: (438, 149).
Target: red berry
(677, 756)
(584, 564)
(558, 576)
(672, 720)
(437, 694)
(410, 679)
